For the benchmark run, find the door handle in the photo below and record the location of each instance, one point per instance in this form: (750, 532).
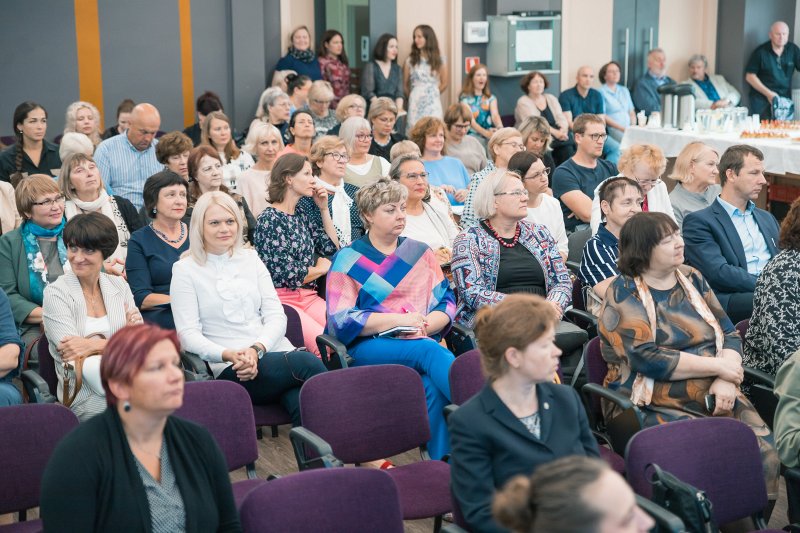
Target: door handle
(627, 51)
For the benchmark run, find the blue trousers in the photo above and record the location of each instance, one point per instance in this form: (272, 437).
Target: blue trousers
(611, 150)
(9, 394)
(432, 361)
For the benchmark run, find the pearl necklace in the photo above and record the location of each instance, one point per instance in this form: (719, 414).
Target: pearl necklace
(500, 239)
(164, 235)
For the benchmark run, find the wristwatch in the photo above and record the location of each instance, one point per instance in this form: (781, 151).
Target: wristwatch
(260, 352)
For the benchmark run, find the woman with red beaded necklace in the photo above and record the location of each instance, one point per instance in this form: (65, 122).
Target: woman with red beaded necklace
(505, 253)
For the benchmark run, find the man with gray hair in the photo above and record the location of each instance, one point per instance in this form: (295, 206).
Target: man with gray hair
(770, 68)
(645, 94)
(711, 91)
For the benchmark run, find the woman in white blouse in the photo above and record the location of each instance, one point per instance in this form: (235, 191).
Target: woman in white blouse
(226, 310)
(82, 309)
(363, 168)
(218, 133)
(427, 219)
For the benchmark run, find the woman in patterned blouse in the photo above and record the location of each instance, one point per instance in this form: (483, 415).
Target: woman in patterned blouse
(293, 248)
(383, 281)
(334, 65)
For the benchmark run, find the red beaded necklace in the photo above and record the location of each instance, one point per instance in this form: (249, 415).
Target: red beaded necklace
(500, 239)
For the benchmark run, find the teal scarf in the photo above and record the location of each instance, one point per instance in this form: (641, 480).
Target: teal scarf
(37, 268)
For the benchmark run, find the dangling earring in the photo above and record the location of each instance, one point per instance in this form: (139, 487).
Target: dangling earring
(126, 406)
(155, 211)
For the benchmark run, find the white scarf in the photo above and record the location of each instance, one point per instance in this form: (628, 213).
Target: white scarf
(106, 205)
(340, 207)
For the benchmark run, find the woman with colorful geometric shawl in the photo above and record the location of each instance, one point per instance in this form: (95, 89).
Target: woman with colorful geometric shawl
(382, 281)
(33, 255)
(668, 343)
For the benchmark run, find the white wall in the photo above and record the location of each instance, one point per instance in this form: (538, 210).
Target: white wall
(586, 36)
(685, 28)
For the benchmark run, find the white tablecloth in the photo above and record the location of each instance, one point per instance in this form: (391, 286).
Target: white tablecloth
(780, 155)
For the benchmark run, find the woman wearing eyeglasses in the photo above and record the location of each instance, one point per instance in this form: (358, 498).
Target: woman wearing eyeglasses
(383, 117)
(466, 148)
(643, 163)
(33, 255)
(319, 105)
(363, 168)
(505, 253)
(542, 207)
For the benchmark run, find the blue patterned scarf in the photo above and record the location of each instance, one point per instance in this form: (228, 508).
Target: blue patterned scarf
(37, 267)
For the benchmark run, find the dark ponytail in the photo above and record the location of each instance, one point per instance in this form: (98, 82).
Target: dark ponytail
(20, 114)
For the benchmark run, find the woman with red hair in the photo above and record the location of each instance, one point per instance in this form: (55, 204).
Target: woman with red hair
(135, 467)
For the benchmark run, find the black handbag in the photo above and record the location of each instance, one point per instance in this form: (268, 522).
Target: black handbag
(687, 502)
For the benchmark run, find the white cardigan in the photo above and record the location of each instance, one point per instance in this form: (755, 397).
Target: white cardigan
(657, 202)
(228, 303)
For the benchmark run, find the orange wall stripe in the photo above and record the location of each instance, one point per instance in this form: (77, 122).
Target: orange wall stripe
(187, 71)
(87, 37)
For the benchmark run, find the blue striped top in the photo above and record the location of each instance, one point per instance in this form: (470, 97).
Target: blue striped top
(124, 168)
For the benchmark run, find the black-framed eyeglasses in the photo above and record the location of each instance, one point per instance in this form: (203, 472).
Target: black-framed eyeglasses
(338, 157)
(541, 174)
(50, 202)
(596, 136)
(364, 136)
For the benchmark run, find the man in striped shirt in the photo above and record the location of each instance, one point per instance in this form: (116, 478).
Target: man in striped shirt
(620, 199)
(126, 161)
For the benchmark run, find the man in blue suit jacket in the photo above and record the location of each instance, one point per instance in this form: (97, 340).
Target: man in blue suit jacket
(732, 240)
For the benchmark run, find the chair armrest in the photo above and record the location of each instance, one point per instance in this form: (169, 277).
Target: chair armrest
(460, 339)
(452, 528)
(449, 410)
(665, 520)
(622, 427)
(580, 314)
(758, 377)
(36, 387)
(593, 388)
(321, 454)
(338, 357)
(573, 266)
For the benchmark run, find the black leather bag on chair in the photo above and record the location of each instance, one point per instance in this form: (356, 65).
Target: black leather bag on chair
(687, 502)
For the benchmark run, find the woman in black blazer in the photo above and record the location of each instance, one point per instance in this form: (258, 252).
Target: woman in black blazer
(520, 419)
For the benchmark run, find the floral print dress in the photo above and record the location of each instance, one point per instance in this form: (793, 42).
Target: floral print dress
(424, 99)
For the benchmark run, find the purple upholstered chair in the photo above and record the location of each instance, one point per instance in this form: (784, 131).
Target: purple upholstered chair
(717, 455)
(28, 436)
(368, 413)
(466, 377)
(742, 326)
(335, 499)
(225, 410)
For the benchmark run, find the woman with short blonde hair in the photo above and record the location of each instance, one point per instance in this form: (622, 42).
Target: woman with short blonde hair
(383, 117)
(264, 142)
(697, 175)
(363, 168)
(320, 97)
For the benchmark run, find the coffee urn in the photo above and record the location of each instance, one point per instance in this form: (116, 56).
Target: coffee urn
(677, 104)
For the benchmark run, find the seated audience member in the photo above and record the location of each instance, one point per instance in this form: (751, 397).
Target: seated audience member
(383, 281)
(466, 148)
(217, 133)
(334, 65)
(543, 209)
(711, 91)
(9, 216)
(153, 249)
(404, 148)
(620, 198)
(136, 467)
(264, 142)
(620, 112)
(82, 309)
(427, 219)
(581, 99)
(83, 117)
(300, 57)
(570, 494)
(645, 92)
(697, 173)
(774, 331)
(319, 106)
(126, 161)
(206, 103)
(362, 168)
(352, 105)
(500, 432)
(82, 186)
(536, 136)
(575, 181)
(383, 77)
(124, 110)
(534, 103)
(292, 246)
(502, 146)
(12, 350)
(667, 341)
(732, 240)
(505, 253)
(206, 175)
(227, 312)
(482, 103)
(787, 423)
(329, 164)
(301, 134)
(297, 87)
(33, 255)
(443, 171)
(274, 108)
(644, 164)
(30, 128)
(75, 143)
(383, 116)
(172, 151)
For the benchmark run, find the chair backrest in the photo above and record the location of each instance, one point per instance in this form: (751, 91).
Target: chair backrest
(331, 499)
(575, 244)
(466, 377)
(28, 435)
(577, 294)
(294, 329)
(717, 455)
(366, 413)
(741, 327)
(47, 365)
(596, 368)
(224, 409)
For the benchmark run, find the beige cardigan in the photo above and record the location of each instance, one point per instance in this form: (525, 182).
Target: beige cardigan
(9, 218)
(526, 108)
